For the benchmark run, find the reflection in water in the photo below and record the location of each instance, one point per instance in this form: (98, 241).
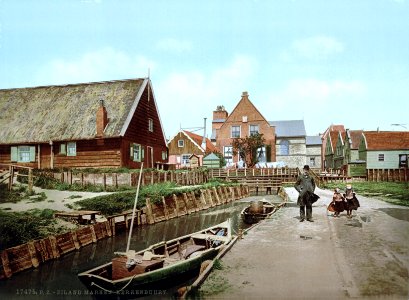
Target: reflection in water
(58, 278)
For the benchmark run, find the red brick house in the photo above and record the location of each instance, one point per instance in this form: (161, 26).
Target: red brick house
(99, 124)
(244, 120)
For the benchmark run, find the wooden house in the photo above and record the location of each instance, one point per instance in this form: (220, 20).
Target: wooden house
(185, 144)
(244, 120)
(327, 158)
(384, 149)
(339, 153)
(330, 149)
(100, 124)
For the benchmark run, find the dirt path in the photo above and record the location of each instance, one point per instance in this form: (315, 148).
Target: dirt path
(331, 258)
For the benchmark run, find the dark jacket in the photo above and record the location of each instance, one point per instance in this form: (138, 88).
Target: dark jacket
(305, 183)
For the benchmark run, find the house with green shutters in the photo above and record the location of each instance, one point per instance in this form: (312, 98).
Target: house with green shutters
(330, 149)
(339, 154)
(384, 149)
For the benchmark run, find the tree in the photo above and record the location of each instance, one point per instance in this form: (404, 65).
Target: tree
(247, 148)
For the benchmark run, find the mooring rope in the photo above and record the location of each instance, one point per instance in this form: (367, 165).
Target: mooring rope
(117, 291)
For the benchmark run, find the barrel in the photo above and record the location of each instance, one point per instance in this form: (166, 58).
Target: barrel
(256, 207)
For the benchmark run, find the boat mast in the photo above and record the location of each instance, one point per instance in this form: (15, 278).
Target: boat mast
(134, 209)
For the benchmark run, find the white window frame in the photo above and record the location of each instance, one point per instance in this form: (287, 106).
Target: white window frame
(72, 149)
(23, 153)
(228, 154)
(254, 132)
(150, 124)
(231, 131)
(181, 143)
(185, 159)
(136, 152)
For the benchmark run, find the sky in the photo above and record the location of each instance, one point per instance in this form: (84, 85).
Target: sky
(324, 62)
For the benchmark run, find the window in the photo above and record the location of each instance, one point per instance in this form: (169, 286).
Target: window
(403, 160)
(72, 149)
(253, 129)
(136, 152)
(150, 122)
(244, 119)
(164, 155)
(235, 131)
(312, 161)
(228, 154)
(23, 153)
(284, 147)
(185, 159)
(181, 143)
(261, 154)
(381, 157)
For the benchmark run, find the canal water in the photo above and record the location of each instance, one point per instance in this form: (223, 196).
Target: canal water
(58, 278)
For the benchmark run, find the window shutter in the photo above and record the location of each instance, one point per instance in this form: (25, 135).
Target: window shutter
(32, 153)
(63, 149)
(14, 154)
(142, 153)
(131, 152)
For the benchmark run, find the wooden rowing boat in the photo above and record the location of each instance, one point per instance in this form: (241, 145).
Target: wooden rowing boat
(160, 266)
(256, 211)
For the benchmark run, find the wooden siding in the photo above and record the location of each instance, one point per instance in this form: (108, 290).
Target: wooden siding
(391, 159)
(138, 132)
(90, 154)
(189, 146)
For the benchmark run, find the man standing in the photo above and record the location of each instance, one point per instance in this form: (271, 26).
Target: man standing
(305, 186)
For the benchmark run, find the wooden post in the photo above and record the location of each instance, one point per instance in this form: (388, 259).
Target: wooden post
(165, 208)
(175, 199)
(195, 202)
(112, 223)
(6, 264)
(33, 256)
(149, 212)
(75, 240)
(185, 200)
(54, 248)
(93, 235)
(209, 197)
(216, 195)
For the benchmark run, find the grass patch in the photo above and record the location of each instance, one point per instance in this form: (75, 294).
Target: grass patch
(119, 202)
(17, 194)
(392, 192)
(17, 228)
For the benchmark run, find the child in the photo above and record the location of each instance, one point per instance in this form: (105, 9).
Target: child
(337, 202)
(352, 201)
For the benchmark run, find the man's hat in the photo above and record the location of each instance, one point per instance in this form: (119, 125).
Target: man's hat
(306, 167)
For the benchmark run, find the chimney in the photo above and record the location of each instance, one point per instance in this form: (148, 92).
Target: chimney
(102, 118)
(204, 136)
(245, 95)
(220, 113)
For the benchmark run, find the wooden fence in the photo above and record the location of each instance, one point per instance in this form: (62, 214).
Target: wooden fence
(8, 172)
(284, 174)
(130, 179)
(396, 175)
(34, 253)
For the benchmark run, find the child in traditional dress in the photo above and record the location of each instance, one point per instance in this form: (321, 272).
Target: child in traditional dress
(338, 202)
(352, 201)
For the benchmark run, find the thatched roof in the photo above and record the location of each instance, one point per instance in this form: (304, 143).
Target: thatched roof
(67, 112)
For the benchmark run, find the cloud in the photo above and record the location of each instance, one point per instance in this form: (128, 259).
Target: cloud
(174, 45)
(313, 48)
(103, 64)
(304, 95)
(185, 98)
